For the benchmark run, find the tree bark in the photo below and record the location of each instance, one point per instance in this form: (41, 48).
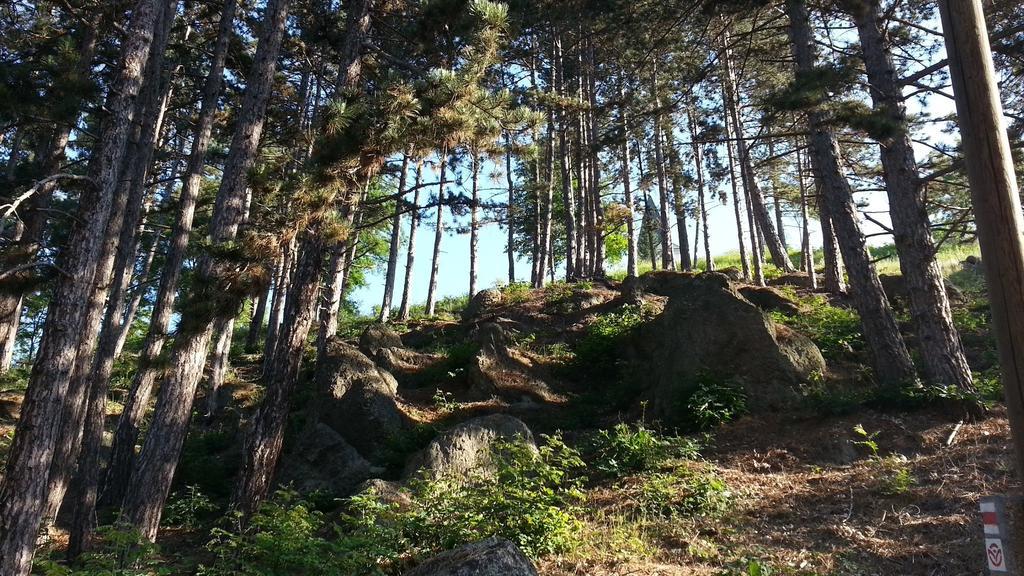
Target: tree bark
(435, 262)
(22, 491)
(563, 151)
(474, 221)
(835, 277)
(939, 343)
(395, 245)
(996, 199)
(890, 358)
(808, 250)
(410, 257)
(627, 193)
(702, 210)
(755, 198)
(737, 201)
(126, 433)
(214, 305)
(667, 257)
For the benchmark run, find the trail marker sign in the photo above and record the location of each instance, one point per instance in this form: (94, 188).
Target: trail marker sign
(1000, 517)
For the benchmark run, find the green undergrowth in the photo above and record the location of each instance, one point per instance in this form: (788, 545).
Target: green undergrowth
(835, 330)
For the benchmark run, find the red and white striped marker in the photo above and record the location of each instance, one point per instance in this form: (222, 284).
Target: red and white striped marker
(995, 555)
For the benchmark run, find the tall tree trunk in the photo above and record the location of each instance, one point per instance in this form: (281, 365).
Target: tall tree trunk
(22, 491)
(510, 214)
(994, 194)
(214, 305)
(667, 257)
(394, 246)
(264, 438)
(220, 365)
(259, 313)
(702, 210)
(939, 343)
(547, 255)
(410, 258)
(51, 155)
(737, 202)
(126, 433)
(595, 163)
(890, 357)
(96, 374)
(627, 192)
(563, 150)
(808, 250)
(282, 281)
(435, 262)
(131, 310)
(474, 221)
(678, 202)
(110, 276)
(755, 198)
(835, 277)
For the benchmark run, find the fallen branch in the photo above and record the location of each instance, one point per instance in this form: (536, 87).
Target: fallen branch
(12, 208)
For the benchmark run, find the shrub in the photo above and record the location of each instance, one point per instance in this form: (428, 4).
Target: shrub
(683, 492)
(835, 330)
(516, 293)
(116, 551)
(532, 498)
(282, 539)
(712, 402)
(634, 448)
(597, 352)
(187, 508)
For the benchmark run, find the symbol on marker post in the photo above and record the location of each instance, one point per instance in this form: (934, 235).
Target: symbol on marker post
(994, 555)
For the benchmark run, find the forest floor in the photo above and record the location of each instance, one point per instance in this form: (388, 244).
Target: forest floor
(807, 507)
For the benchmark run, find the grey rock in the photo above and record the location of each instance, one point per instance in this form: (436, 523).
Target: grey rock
(467, 447)
(323, 461)
(482, 302)
(709, 330)
(491, 557)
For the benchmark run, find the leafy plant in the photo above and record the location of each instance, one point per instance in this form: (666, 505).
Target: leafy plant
(445, 402)
(683, 492)
(117, 550)
(713, 402)
(635, 448)
(186, 508)
(835, 330)
(597, 352)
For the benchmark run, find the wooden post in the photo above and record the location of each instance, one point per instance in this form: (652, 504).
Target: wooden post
(997, 207)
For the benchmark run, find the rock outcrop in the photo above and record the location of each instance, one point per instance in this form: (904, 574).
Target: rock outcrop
(359, 400)
(895, 287)
(769, 300)
(709, 330)
(491, 557)
(323, 461)
(466, 447)
(496, 370)
(481, 303)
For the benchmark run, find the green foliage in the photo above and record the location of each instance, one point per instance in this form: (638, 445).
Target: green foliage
(894, 472)
(532, 498)
(833, 329)
(632, 448)
(684, 492)
(117, 551)
(444, 402)
(516, 293)
(187, 508)
(712, 402)
(597, 352)
(283, 539)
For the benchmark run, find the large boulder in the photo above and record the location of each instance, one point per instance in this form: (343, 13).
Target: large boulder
(491, 557)
(497, 370)
(769, 300)
(798, 279)
(360, 401)
(709, 330)
(664, 282)
(466, 447)
(323, 461)
(378, 337)
(482, 302)
(895, 287)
